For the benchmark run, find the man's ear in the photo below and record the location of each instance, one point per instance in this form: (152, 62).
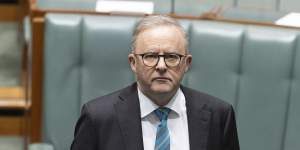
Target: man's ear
(188, 62)
(132, 62)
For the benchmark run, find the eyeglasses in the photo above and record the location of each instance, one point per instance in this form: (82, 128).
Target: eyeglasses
(170, 59)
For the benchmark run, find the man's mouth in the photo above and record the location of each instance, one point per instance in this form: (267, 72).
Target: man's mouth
(163, 79)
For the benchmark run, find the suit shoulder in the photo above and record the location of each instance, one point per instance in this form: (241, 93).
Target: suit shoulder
(103, 105)
(105, 99)
(208, 100)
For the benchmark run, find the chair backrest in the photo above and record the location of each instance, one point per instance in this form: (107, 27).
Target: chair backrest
(254, 68)
(292, 119)
(82, 55)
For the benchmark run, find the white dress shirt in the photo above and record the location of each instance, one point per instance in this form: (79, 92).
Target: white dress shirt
(177, 122)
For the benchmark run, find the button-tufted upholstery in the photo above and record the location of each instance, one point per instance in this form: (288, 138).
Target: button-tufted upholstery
(255, 68)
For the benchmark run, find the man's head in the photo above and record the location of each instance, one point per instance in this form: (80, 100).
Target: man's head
(159, 57)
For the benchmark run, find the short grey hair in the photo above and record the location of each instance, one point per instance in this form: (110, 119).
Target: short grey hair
(154, 21)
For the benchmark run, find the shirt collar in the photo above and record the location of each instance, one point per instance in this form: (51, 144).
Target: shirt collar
(176, 104)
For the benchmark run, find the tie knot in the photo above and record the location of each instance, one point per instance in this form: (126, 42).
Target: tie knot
(162, 113)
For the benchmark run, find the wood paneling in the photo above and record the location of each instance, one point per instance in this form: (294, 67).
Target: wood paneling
(8, 12)
(12, 98)
(11, 92)
(12, 107)
(37, 74)
(12, 104)
(11, 125)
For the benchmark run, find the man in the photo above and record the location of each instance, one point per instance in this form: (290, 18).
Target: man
(156, 112)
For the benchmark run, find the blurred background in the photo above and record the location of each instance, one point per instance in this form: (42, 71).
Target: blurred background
(21, 44)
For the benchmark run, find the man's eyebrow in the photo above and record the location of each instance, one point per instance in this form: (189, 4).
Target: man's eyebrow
(152, 51)
(170, 53)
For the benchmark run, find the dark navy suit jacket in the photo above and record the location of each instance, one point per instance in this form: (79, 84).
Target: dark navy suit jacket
(113, 122)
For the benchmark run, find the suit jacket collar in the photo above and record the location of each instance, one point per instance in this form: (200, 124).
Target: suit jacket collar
(198, 119)
(128, 112)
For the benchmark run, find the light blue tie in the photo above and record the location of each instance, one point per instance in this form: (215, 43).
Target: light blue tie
(162, 141)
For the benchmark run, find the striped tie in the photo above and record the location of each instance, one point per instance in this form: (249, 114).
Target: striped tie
(162, 141)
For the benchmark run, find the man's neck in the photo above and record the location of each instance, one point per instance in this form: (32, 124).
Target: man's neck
(160, 99)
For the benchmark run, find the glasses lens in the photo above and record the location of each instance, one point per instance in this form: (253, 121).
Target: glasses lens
(172, 59)
(150, 59)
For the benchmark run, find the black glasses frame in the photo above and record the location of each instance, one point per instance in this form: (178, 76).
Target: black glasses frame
(158, 55)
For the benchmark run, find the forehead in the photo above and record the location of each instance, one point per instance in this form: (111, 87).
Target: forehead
(160, 39)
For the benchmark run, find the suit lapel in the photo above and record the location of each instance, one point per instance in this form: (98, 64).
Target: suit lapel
(128, 112)
(198, 121)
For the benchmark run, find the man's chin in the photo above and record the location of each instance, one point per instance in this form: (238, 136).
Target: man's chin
(161, 89)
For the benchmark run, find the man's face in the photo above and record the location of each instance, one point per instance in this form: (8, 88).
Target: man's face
(159, 79)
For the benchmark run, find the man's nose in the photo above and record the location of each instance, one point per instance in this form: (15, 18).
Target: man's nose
(161, 65)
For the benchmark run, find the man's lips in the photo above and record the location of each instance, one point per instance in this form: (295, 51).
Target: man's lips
(161, 79)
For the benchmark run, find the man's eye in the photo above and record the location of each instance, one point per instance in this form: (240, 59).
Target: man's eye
(150, 56)
(172, 56)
